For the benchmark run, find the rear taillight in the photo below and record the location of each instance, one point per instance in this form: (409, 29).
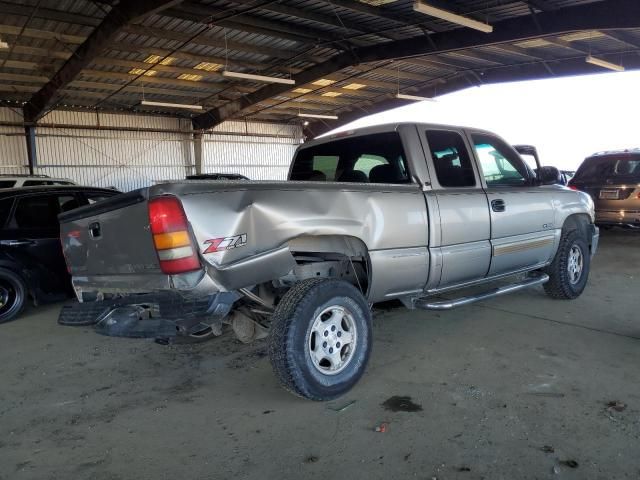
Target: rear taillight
(573, 187)
(171, 236)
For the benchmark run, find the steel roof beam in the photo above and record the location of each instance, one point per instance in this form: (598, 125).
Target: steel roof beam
(250, 23)
(125, 12)
(607, 14)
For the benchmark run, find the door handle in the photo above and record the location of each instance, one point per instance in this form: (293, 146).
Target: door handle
(498, 205)
(95, 230)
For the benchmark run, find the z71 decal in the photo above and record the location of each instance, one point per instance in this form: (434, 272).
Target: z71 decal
(225, 243)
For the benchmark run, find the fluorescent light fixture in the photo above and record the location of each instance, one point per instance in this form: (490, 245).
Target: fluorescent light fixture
(315, 115)
(331, 94)
(258, 78)
(170, 105)
(604, 64)
(422, 7)
(415, 98)
(301, 90)
(4, 45)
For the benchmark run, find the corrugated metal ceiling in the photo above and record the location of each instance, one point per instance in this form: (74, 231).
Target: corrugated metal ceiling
(44, 34)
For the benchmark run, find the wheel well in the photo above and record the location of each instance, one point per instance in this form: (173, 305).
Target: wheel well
(580, 222)
(332, 256)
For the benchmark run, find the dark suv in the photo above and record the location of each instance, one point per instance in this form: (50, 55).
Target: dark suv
(613, 181)
(31, 260)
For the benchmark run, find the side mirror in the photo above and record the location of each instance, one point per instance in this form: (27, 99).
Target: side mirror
(549, 176)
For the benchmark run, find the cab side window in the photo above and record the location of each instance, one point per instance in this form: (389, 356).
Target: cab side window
(450, 158)
(501, 165)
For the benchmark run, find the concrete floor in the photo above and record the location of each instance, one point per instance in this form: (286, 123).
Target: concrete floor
(499, 383)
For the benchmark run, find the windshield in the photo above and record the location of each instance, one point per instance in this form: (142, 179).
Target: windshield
(377, 158)
(623, 168)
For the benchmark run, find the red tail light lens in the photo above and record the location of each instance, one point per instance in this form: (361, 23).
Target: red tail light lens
(171, 236)
(573, 187)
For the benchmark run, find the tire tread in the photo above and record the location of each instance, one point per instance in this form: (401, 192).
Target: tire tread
(558, 285)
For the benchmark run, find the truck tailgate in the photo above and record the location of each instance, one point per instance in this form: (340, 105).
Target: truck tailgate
(111, 237)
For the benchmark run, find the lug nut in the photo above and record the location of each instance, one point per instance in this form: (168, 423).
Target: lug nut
(339, 333)
(338, 345)
(324, 344)
(333, 328)
(331, 350)
(326, 333)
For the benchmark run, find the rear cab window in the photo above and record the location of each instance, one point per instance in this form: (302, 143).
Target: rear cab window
(7, 183)
(375, 158)
(450, 158)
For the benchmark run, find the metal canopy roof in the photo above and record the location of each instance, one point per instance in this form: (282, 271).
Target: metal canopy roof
(348, 57)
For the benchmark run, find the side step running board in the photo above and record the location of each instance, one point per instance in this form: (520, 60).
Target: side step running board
(531, 281)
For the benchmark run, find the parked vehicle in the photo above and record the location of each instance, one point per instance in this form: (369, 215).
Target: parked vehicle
(17, 181)
(31, 261)
(407, 211)
(613, 181)
(217, 176)
(568, 175)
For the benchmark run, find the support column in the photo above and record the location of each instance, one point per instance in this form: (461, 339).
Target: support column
(197, 151)
(32, 154)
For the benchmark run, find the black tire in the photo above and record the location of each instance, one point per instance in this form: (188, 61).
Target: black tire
(291, 346)
(560, 284)
(13, 295)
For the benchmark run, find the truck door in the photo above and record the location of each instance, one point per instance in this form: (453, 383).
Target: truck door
(463, 247)
(522, 213)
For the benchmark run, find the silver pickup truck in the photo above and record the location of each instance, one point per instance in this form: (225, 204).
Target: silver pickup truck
(414, 212)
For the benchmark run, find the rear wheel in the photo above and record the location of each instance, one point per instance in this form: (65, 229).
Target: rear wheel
(13, 294)
(320, 338)
(569, 271)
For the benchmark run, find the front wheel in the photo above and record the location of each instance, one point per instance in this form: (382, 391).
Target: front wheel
(569, 271)
(320, 338)
(13, 295)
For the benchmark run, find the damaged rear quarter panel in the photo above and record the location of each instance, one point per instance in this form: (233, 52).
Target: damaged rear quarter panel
(272, 213)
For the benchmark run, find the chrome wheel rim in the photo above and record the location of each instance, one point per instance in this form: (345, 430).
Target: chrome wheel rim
(332, 340)
(575, 265)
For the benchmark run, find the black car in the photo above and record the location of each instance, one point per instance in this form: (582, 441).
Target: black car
(31, 260)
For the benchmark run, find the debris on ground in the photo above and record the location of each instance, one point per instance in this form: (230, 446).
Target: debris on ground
(464, 469)
(547, 449)
(311, 459)
(570, 463)
(616, 405)
(406, 457)
(555, 470)
(343, 407)
(401, 404)
(382, 428)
